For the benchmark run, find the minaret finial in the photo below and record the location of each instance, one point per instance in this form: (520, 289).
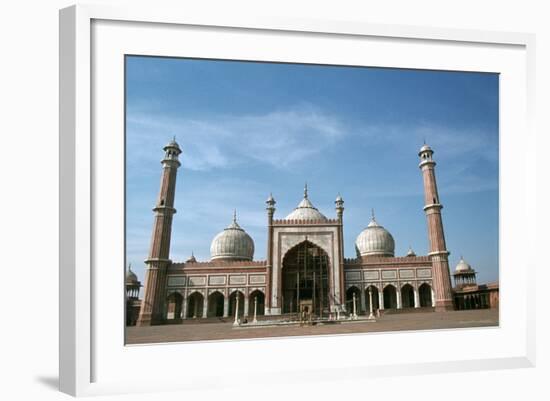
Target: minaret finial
(234, 215)
(372, 213)
(305, 191)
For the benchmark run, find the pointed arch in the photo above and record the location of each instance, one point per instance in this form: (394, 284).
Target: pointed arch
(291, 245)
(174, 303)
(233, 302)
(425, 295)
(407, 296)
(215, 304)
(375, 298)
(350, 292)
(390, 297)
(305, 277)
(257, 296)
(195, 302)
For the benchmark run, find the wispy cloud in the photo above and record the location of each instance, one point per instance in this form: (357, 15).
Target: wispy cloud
(469, 153)
(449, 142)
(280, 138)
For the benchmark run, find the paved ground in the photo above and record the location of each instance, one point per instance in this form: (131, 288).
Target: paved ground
(217, 330)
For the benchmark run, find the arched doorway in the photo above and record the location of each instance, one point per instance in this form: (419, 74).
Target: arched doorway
(375, 304)
(407, 296)
(305, 278)
(390, 297)
(174, 304)
(260, 306)
(425, 295)
(215, 304)
(349, 300)
(195, 305)
(233, 303)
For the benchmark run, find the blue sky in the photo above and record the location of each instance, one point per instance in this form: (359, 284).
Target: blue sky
(247, 129)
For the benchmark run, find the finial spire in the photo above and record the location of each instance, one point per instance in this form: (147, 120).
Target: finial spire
(305, 190)
(234, 215)
(372, 214)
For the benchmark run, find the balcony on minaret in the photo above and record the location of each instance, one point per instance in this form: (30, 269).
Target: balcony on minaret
(171, 152)
(162, 207)
(425, 154)
(339, 206)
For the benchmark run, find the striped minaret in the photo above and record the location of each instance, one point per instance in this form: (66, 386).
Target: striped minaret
(152, 306)
(441, 277)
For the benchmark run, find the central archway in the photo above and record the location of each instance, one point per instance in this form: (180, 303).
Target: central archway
(305, 279)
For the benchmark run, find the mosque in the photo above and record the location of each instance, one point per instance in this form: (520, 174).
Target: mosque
(304, 269)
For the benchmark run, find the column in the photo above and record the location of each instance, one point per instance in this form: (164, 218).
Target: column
(381, 299)
(416, 298)
(371, 308)
(237, 297)
(398, 293)
(245, 305)
(226, 306)
(363, 303)
(433, 298)
(205, 306)
(184, 308)
(255, 320)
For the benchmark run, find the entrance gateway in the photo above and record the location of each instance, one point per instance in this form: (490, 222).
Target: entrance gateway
(305, 280)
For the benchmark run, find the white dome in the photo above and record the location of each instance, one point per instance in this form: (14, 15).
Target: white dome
(375, 240)
(306, 211)
(425, 148)
(462, 266)
(232, 243)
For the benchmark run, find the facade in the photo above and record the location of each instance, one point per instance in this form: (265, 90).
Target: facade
(304, 266)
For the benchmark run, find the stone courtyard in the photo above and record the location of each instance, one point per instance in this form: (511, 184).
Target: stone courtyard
(222, 329)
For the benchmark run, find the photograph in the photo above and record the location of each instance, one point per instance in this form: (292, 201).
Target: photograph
(271, 199)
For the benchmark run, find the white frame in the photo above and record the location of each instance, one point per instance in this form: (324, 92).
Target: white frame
(76, 166)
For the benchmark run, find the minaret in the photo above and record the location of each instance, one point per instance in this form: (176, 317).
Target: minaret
(339, 206)
(438, 251)
(158, 261)
(270, 207)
